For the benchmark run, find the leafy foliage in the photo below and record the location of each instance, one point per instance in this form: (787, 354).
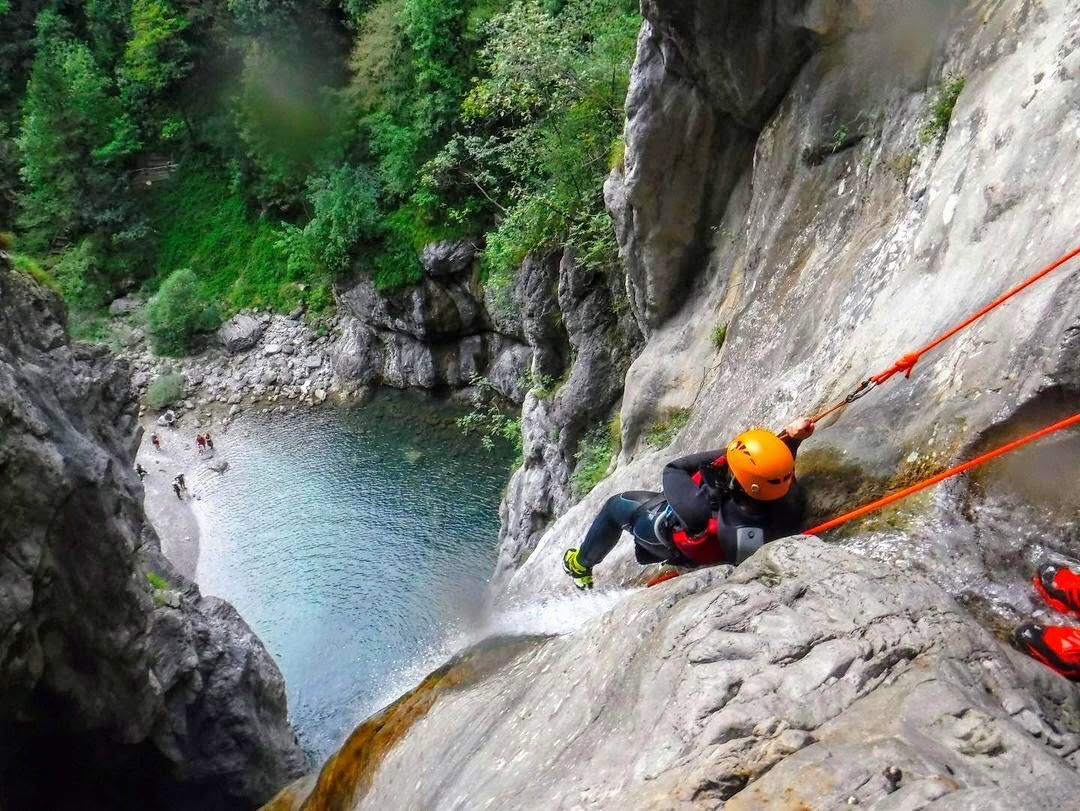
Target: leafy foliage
(177, 314)
(540, 128)
(346, 207)
(237, 258)
(32, 268)
(664, 430)
(166, 390)
(78, 272)
(594, 456)
(489, 419)
(948, 92)
(307, 140)
(719, 336)
(71, 139)
(157, 581)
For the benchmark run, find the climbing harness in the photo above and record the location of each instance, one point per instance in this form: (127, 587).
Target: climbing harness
(907, 363)
(940, 477)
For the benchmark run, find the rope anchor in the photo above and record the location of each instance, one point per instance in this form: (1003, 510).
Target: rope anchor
(906, 364)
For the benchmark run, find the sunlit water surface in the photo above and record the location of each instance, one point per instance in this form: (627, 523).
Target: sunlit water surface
(357, 542)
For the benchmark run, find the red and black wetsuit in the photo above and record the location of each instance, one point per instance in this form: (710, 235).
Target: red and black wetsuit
(708, 512)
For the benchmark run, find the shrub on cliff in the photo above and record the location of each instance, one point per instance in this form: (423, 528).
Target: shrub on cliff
(177, 315)
(166, 390)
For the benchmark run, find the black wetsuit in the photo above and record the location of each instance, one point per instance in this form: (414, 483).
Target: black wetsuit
(695, 489)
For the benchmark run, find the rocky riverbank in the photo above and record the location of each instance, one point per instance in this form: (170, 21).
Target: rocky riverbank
(258, 360)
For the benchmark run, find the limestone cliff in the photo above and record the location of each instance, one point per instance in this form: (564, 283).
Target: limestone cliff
(806, 677)
(117, 692)
(800, 204)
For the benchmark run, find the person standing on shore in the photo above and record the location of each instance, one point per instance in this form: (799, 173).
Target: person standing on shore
(200, 443)
(209, 442)
(180, 481)
(176, 489)
(141, 471)
(155, 441)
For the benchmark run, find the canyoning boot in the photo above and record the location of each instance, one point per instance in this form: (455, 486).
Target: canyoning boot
(1056, 646)
(581, 573)
(1060, 587)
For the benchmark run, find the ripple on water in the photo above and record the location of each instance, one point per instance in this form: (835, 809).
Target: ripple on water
(356, 542)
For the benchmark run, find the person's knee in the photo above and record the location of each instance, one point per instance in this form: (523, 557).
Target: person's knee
(613, 501)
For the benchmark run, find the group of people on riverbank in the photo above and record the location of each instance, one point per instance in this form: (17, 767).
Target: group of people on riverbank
(203, 443)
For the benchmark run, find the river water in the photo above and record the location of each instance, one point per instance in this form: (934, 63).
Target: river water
(356, 542)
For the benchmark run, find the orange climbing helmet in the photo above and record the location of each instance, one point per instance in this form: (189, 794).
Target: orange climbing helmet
(762, 464)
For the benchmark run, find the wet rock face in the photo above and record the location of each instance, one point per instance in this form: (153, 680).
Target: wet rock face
(112, 693)
(804, 678)
(707, 77)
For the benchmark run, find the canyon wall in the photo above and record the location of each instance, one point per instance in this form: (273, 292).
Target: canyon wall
(122, 686)
(800, 204)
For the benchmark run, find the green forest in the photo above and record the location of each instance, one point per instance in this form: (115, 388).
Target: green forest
(224, 154)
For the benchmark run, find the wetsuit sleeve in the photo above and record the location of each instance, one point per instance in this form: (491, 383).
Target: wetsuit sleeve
(790, 518)
(793, 445)
(685, 491)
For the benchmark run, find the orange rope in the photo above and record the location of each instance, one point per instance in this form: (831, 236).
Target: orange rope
(915, 488)
(908, 361)
(662, 578)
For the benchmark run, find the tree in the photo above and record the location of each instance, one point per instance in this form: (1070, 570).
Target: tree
(538, 129)
(177, 314)
(156, 55)
(346, 208)
(72, 138)
(434, 30)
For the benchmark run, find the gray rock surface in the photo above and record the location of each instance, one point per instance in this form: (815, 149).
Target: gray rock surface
(446, 330)
(824, 274)
(125, 305)
(799, 680)
(814, 676)
(241, 332)
(435, 335)
(706, 79)
(448, 257)
(115, 693)
(274, 357)
(580, 311)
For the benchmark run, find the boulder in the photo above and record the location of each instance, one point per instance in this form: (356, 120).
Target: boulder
(101, 676)
(123, 306)
(448, 257)
(241, 332)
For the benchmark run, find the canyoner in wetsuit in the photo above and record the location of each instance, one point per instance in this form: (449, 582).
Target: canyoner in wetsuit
(716, 507)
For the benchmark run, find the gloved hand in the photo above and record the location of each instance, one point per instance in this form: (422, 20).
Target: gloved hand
(800, 429)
